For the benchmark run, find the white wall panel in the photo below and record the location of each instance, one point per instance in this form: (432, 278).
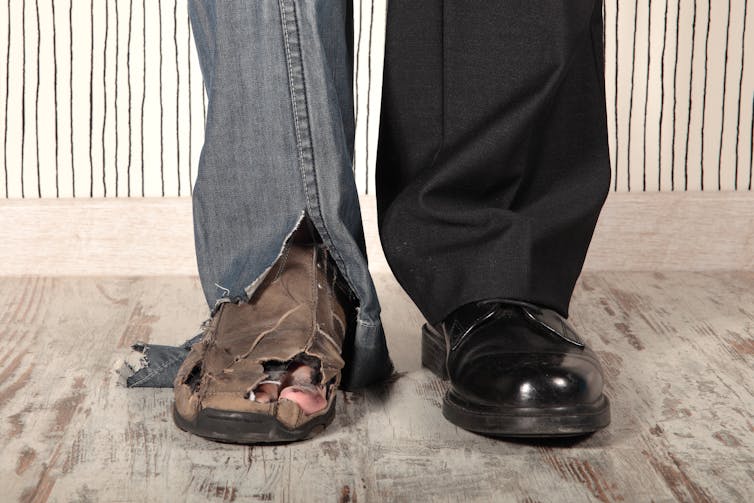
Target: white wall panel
(105, 97)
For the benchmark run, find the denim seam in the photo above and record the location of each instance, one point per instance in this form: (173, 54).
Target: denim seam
(367, 323)
(156, 370)
(302, 130)
(294, 105)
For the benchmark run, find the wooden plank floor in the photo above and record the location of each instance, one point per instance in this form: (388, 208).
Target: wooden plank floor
(678, 349)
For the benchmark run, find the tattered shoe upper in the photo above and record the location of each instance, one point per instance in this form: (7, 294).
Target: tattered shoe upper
(294, 316)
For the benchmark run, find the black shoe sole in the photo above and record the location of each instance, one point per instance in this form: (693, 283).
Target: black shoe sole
(249, 428)
(507, 421)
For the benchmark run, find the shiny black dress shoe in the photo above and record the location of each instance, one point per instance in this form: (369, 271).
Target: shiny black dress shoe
(515, 370)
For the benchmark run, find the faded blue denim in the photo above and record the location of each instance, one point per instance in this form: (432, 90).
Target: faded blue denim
(278, 145)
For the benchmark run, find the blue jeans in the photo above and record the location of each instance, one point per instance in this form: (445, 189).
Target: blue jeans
(278, 147)
(492, 165)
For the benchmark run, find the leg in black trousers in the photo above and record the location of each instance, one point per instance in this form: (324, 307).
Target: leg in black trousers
(493, 166)
(493, 160)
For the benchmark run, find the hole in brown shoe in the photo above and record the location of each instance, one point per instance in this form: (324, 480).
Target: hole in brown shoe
(297, 380)
(194, 377)
(299, 386)
(265, 392)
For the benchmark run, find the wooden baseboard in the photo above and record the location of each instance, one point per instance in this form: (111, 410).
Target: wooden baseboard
(154, 236)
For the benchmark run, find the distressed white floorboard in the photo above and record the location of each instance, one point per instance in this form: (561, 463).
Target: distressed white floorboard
(678, 349)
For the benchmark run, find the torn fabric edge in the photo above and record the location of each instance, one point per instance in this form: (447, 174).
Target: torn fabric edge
(159, 364)
(254, 285)
(367, 361)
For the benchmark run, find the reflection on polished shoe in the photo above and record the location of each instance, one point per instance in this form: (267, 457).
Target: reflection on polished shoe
(515, 369)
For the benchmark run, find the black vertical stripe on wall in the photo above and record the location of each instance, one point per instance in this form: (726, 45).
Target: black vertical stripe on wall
(162, 112)
(36, 103)
(725, 92)
(646, 98)
(751, 143)
(70, 94)
(662, 95)
(117, 61)
(356, 76)
(177, 97)
(675, 94)
(191, 119)
(616, 154)
(631, 98)
(604, 35)
(704, 93)
(104, 98)
(55, 94)
(691, 102)
(91, 100)
(740, 93)
(7, 97)
(369, 96)
(128, 72)
(23, 93)
(143, 85)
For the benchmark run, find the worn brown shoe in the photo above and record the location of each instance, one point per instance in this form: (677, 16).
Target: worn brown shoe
(242, 382)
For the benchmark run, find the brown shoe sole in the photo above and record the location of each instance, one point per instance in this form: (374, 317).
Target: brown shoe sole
(249, 428)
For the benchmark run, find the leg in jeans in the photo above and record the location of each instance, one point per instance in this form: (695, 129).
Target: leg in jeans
(278, 149)
(493, 166)
(278, 144)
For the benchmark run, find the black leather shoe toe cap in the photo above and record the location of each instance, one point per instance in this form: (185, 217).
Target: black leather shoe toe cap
(527, 379)
(516, 369)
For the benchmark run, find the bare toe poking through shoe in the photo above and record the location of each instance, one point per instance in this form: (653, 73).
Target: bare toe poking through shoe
(266, 392)
(299, 387)
(267, 370)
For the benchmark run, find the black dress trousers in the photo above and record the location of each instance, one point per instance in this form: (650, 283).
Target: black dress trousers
(493, 161)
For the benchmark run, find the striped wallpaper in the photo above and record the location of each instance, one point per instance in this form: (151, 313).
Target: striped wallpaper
(105, 97)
